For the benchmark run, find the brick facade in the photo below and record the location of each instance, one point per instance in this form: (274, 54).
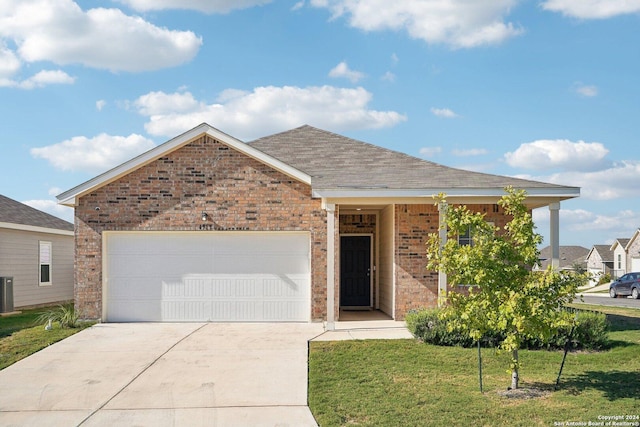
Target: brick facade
(170, 194)
(416, 287)
(633, 253)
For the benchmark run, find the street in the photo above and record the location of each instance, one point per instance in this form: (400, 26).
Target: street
(604, 299)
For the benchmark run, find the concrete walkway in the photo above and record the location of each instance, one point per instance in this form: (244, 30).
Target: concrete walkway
(156, 374)
(173, 374)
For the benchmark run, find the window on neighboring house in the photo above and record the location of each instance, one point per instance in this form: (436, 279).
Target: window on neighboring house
(45, 263)
(619, 262)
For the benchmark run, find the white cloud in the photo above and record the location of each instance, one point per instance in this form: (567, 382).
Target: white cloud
(299, 5)
(91, 154)
(458, 23)
(444, 113)
(54, 191)
(40, 79)
(52, 208)
(559, 153)
(430, 151)
(265, 110)
(588, 91)
(100, 104)
(592, 9)
(389, 77)
(616, 181)
(9, 62)
(160, 103)
(46, 77)
(206, 6)
(470, 152)
(342, 70)
(59, 31)
(589, 228)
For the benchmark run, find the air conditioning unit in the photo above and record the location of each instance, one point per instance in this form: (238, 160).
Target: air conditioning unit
(6, 294)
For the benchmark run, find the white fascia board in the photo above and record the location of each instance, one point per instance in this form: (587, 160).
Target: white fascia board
(69, 198)
(35, 229)
(550, 192)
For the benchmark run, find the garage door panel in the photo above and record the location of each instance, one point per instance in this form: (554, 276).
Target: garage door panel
(210, 277)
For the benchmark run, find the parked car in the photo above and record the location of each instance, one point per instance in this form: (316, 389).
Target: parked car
(629, 284)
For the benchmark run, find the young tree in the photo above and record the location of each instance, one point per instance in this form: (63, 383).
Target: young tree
(505, 295)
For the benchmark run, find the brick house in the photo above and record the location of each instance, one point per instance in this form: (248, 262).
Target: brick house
(632, 249)
(296, 226)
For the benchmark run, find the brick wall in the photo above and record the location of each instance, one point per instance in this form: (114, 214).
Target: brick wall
(416, 287)
(237, 192)
(633, 253)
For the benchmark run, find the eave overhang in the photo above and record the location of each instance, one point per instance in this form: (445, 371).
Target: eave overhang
(536, 196)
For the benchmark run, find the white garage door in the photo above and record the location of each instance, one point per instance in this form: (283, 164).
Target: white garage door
(207, 276)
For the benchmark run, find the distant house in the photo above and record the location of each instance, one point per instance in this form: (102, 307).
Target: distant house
(36, 250)
(570, 258)
(632, 249)
(600, 262)
(619, 249)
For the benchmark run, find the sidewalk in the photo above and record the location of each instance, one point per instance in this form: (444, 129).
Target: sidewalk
(364, 330)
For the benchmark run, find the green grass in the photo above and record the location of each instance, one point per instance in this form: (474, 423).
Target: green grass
(408, 383)
(21, 335)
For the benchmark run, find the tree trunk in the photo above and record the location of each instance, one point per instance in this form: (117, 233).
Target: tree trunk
(515, 377)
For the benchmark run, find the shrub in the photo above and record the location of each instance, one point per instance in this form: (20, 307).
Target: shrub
(589, 333)
(64, 314)
(428, 326)
(604, 278)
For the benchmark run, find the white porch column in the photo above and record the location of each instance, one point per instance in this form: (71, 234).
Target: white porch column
(331, 271)
(554, 233)
(442, 276)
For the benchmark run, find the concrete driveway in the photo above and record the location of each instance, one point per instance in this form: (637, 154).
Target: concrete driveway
(152, 374)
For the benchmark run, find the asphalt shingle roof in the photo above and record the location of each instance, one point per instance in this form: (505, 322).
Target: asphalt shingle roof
(335, 161)
(14, 212)
(605, 252)
(569, 256)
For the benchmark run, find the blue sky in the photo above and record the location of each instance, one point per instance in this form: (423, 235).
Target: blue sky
(542, 89)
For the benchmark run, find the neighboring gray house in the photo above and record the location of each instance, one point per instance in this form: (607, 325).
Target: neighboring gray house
(600, 262)
(570, 257)
(36, 250)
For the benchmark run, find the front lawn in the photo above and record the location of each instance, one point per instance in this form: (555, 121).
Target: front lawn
(408, 383)
(21, 335)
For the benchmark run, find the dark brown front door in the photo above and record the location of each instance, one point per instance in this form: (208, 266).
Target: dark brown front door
(355, 271)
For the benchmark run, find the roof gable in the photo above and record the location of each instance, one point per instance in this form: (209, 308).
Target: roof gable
(16, 215)
(620, 242)
(633, 238)
(605, 252)
(70, 197)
